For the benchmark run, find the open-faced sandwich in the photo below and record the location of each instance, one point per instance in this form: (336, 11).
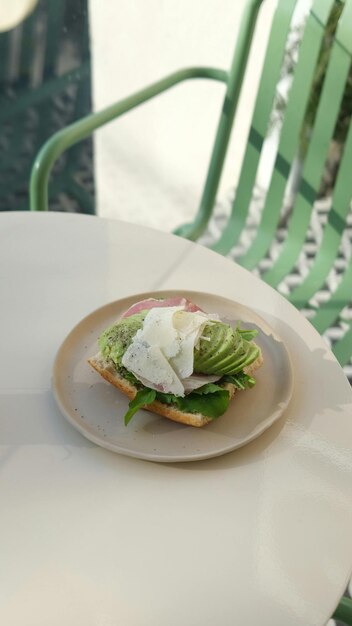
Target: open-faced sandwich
(172, 358)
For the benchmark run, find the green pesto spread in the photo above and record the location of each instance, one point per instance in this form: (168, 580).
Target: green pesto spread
(114, 341)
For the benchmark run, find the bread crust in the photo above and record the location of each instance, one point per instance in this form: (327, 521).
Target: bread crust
(108, 371)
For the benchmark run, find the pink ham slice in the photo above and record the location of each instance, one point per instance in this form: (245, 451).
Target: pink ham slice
(152, 303)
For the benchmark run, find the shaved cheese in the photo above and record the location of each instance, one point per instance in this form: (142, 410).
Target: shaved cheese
(161, 354)
(158, 330)
(183, 361)
(148, 363)
(187, 323)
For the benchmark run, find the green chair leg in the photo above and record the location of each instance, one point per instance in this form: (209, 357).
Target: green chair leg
(343, 612)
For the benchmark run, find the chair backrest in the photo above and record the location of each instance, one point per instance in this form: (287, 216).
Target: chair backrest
(320, 92)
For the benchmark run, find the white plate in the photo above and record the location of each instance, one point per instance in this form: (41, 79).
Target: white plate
(96, 408)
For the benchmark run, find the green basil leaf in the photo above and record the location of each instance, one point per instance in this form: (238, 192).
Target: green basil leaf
(143, 397)
(212, 404)
(166, 398)
(129, 376)
(240, 380)
(207, 388)
(210, 400)
(247, 334)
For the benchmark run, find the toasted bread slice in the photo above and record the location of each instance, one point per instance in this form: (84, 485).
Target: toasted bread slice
(107, 370)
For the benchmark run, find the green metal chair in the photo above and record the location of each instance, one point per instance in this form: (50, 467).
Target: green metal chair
(337, 73)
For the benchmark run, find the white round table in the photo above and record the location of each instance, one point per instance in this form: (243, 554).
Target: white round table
(258, 536)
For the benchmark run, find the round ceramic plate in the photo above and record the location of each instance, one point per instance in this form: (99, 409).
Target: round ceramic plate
(96, 408)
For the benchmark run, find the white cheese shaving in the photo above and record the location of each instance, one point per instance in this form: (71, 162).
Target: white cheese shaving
(161, 354)
(158, 330)
(148, 363)
(183, 361)
(187, 322)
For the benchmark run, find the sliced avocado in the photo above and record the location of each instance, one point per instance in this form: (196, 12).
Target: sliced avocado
(249, 357)
(220, 343)
(227, 345)
(227, 353)
(236, 354)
